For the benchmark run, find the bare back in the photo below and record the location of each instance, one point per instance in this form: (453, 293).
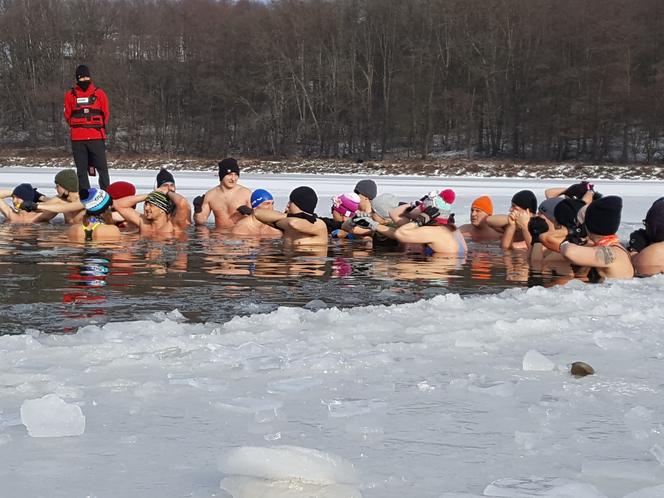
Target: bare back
(250, 226)
(75, 217)
(650, 261)
(299, 232)
(444, 240)
(617, 260)
(101, 233)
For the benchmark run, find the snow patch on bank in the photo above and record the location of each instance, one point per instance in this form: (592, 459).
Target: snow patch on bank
(456, 167)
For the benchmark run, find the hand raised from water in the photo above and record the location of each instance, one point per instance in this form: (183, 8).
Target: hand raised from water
(364, 220)
(427, 216)
(420, 201)
(638, 240)
(245, 210)
(29, 206)
(537, 226)
(574, 236)
(511, 219)
(522, 219)
(198, 203)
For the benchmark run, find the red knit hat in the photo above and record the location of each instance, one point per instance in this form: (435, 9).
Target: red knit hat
(118, 190)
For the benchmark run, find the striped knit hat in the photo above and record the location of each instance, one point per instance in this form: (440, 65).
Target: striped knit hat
(161, 201)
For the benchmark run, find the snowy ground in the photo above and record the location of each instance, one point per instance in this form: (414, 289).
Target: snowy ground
(450, 165)
(449, 397)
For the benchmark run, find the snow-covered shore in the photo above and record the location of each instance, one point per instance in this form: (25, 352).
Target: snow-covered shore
(445, 167)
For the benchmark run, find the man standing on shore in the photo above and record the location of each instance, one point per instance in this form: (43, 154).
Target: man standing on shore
(86, 112)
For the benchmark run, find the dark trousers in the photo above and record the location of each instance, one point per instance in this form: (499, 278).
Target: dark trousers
(90, 153)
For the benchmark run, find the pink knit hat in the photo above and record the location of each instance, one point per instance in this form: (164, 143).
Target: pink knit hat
(443, 201)
(346, 204)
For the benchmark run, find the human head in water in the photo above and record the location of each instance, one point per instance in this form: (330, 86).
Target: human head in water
(95, 200)
(157, 206)
(480, 209)
(165, 177)
(381, 207)
(345, 205)
(262, 199)
(602, 216)
(24, 194)
(121, 189)
(97, 203)
(443, 202)
(367, 190)
(302, 200)
(66, 182)
(229, 172)
(524, 200)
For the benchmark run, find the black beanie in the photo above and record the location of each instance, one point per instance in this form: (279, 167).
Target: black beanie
(603, 215)
(566, 210)
(25, 192)
(525, 199)
(164, 176)
(655, 221)
(305, 198)
(226, 166)
(366, 188)
(577, 190)
(82, 71)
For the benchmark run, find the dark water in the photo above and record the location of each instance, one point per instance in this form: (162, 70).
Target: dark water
(50, 284)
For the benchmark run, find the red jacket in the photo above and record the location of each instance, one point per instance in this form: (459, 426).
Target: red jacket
(86, 112)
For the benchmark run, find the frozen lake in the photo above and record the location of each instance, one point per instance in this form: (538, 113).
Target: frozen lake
(462, 394)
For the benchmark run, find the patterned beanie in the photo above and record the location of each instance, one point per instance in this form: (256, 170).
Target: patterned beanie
(95, 200)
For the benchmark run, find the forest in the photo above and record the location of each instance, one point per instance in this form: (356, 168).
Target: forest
(538, 80)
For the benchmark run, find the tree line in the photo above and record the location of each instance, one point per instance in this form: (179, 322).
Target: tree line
(531, 79)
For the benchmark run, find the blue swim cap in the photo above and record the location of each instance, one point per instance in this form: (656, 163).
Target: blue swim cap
(259, 196)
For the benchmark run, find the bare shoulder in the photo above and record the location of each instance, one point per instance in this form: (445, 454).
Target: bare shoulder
(242, 193)
(435, 231)
(212, 193)
(242, 227)
(651, 258)
(110, 231)
(304, 225)
(75, 232)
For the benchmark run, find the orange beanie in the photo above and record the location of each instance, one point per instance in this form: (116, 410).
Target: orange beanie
(483, 204)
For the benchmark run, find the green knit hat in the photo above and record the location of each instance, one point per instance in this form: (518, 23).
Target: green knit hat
(67, 179)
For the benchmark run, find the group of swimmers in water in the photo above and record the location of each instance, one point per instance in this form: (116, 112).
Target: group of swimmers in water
(574, 225)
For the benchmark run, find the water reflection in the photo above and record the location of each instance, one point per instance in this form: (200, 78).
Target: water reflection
(49, 284)
(82, 303)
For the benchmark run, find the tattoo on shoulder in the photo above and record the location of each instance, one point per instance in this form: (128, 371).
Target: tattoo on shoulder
(604, 255)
